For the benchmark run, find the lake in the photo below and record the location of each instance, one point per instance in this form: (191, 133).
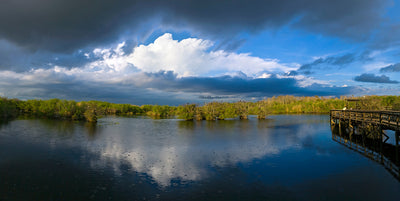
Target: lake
(285, 157)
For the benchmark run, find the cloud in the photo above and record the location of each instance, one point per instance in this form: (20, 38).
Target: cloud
(214, 97)
(391, 68)
(69, 25)
(366, 77)
(337, 19)
(245, 87)
(44, 33)
(166, 71)
(330, 62)
(19, 59)
(387, 35)
(150, 88)
(333, 63)
(65, 84)
(66, 25)
(190, 57)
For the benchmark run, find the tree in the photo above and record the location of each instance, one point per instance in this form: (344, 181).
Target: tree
(186, 111)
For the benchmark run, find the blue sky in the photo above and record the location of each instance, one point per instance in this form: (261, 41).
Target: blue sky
(174, 52)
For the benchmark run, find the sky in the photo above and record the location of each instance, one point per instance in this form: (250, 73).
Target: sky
(195, 51)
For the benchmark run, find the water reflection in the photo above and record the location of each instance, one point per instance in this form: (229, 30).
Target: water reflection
(169, 149)
(57, 127)
(3, 122)
(91, 129)
(281, 158)
(365, 142)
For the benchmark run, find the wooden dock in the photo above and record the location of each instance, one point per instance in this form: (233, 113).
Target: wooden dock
(386, 120)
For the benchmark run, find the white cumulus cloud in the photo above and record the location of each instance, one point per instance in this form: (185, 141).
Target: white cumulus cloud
(188, 57)
(191, 57)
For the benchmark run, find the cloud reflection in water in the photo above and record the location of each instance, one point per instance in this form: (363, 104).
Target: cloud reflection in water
(170, 149)
(173, 149)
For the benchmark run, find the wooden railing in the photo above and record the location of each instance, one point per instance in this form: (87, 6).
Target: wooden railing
(388, 119)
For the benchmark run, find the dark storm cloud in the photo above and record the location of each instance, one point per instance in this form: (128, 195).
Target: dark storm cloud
(391, 68)
(387, 36)
(352, 19)
(71, 89)
(19, 59)
(338, 18)
(227, 85)
(66, 25)
(367, 77)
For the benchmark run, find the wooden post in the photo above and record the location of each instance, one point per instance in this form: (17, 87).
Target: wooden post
(363, 136)
(350, 133)
(333, 123)
(381, 142)
(397, 147)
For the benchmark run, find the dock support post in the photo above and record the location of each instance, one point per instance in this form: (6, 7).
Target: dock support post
(397, 147)
(351, 132)
(381, 142)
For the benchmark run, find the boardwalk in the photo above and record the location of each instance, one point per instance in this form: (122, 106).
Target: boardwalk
(386, 120)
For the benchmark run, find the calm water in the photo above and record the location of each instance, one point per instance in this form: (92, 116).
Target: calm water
(286, 157)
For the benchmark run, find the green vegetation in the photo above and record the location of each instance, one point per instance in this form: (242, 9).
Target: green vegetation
(283, 105)
(159, 111)
(187, 111)
(92, 110)
(63, 109)
(8, 108)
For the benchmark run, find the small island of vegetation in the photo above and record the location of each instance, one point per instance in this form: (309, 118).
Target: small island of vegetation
(92, 110)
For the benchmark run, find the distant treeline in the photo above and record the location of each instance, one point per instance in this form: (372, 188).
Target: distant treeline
(92, 110)
(284, 105)
(80, 111)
